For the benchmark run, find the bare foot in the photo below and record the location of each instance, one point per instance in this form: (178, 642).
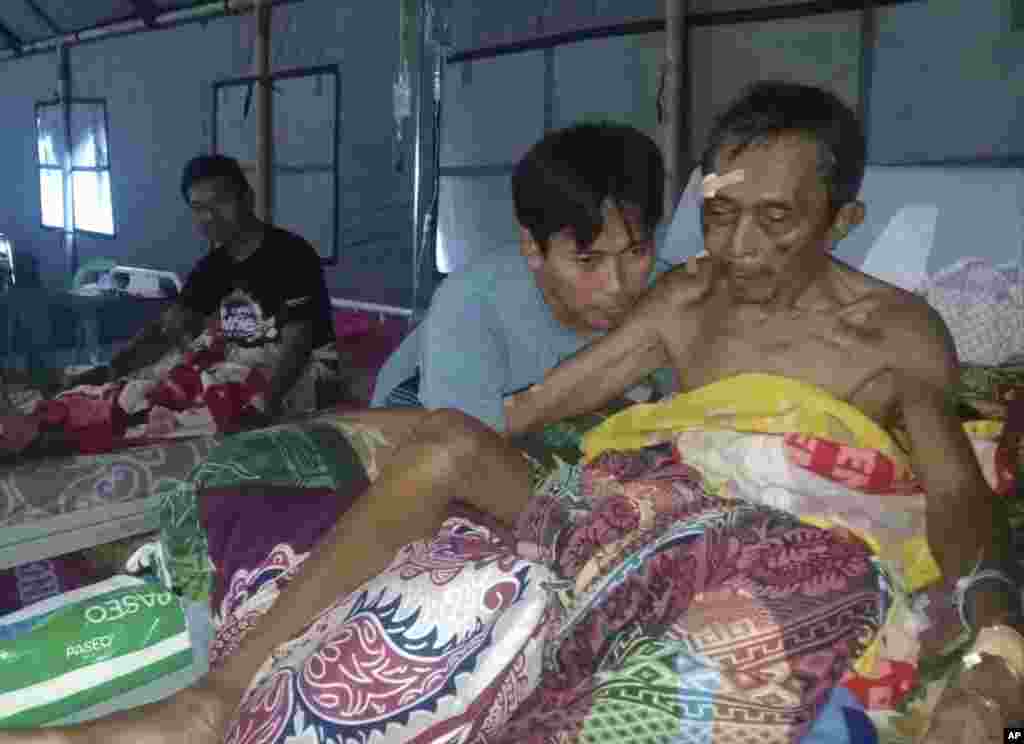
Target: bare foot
(196, 715)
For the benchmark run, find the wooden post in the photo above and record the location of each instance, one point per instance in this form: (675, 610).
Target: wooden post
(264, 115)
(69, 232)
(675, 127)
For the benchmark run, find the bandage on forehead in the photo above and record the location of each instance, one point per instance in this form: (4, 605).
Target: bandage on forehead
(713, 183)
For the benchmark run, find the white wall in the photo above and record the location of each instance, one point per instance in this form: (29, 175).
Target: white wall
(948, 82)
(158, 106)
(818, 50)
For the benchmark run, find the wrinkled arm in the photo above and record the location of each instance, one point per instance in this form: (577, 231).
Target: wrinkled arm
(176, 326)
(616, 363)
(963, 522)
(303, 292)
(599, 373)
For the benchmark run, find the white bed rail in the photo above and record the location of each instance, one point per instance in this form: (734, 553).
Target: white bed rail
(371, 307)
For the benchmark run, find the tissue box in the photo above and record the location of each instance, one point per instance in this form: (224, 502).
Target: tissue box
(82, 648)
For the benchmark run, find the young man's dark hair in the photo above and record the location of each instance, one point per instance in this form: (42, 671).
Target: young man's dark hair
(205, 167)
(564, 180)
(769, 109)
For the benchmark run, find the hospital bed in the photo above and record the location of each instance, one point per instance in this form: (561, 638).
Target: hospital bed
(57, 505)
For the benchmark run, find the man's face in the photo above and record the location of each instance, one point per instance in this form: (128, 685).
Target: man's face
(218, 209)
(591, 289)
(772, 231)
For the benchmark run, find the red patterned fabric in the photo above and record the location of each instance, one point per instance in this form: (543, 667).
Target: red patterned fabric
(179, 389)
(771, 611)
(228, 402)
(193, 398)
(90, 418)
(866, 470)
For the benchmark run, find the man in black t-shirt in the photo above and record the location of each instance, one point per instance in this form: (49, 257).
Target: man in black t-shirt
(266, 283)
(279, 283)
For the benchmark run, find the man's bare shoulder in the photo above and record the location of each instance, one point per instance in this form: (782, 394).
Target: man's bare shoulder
(915, 334)
(671, 309)
(896, 307)
(686, 284)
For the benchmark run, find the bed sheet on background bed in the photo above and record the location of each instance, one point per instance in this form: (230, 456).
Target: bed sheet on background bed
(40, 489)
(67, 521)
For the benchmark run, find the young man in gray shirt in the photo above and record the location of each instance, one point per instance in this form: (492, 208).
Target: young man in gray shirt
(587, 200)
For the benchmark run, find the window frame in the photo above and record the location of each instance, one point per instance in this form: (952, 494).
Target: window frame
(68, 172)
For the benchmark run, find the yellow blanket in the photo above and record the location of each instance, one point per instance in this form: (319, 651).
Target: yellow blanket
(767, 404)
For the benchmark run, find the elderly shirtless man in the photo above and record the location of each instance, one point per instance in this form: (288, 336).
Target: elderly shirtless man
(784, 165)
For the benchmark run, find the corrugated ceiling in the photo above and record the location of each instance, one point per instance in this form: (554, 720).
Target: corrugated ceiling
(74, 16)
(27, 21)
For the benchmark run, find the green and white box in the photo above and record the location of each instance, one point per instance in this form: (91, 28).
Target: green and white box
(85, 647)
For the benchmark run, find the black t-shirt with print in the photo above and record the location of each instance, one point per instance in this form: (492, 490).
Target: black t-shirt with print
(280, 282)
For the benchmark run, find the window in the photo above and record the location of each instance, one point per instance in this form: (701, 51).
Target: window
(74, 182)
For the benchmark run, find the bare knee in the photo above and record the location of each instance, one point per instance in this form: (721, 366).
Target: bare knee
(453, 440)
(458, 432)
(473, 464)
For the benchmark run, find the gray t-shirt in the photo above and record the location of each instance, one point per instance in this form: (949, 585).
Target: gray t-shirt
(488, 334)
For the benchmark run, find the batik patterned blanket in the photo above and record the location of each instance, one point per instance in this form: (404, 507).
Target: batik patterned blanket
(323, 459)
(766, 440)
(703, 577)
(637, 605)
(443, 645)
(685, 616)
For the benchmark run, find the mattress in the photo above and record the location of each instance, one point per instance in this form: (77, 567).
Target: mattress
(55, 505)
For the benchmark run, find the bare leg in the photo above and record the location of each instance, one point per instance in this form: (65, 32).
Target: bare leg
(399, 426)
(448, 456)
(451, 456)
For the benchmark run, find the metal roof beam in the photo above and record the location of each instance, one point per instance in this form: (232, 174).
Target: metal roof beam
(44, 17)
(147, 10)
(15, 41)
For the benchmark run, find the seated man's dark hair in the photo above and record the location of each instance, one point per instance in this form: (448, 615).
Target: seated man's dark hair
(769, 109)
(205, 167)
(564, 180)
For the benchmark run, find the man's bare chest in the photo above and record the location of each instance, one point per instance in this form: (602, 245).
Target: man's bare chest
(797, 347)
